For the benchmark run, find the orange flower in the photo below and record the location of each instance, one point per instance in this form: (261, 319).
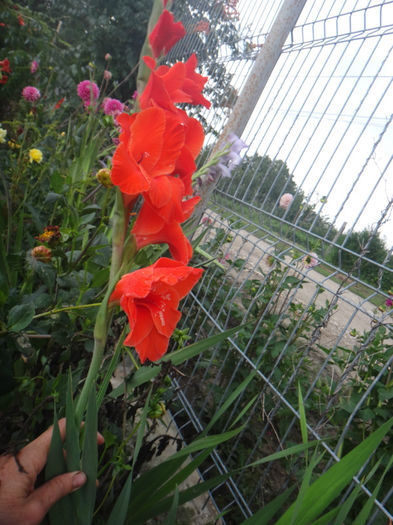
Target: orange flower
(165, 34)
(173, 85)
(150, 144)
(159, 219)
(150, 298)
(20, 20)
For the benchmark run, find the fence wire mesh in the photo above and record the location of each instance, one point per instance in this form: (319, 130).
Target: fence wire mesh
(296, 241)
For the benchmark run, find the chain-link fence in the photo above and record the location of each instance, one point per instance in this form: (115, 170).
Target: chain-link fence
(297, 242)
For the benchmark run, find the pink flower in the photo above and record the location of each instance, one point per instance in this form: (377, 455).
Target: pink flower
(107, 75)
(135, 95)
(389, 302)
(31, 94)
(310, 260)
(33, 66)
(87, 91)
(108, 57)
(113, 107)
(286, 200)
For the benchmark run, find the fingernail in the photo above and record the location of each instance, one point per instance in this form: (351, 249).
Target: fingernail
(78, 479)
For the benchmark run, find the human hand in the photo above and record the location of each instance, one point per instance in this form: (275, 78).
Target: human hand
(20, 502)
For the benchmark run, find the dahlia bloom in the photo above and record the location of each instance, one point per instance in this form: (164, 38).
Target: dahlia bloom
(33, 66)
(42, 253)
(150, 298)
(113, 107)
(5, 66)
(31, 94)
(88, 91)
(51, 235)
(310, 260)
(35, 155)
(165, 34)
(286, 200)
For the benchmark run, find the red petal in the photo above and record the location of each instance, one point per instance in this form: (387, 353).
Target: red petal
(165, 33)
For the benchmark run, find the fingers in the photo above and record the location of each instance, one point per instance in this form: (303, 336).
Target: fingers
(42, 499)
(34, 455)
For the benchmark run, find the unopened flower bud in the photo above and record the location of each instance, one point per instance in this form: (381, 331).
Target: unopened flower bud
(108, 57)
(41, 253)
(107, 75)
(104, 177)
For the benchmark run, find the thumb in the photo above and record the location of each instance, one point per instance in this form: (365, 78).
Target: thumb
(56, 488)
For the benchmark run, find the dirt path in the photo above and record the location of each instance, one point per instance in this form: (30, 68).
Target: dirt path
(352, 311)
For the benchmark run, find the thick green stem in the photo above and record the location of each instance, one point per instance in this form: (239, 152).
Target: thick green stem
(104, 315)
(119, 231)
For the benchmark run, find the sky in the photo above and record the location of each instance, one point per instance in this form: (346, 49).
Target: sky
(327, 108)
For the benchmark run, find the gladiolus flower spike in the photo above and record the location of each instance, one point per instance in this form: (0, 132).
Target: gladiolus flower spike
(150, 298)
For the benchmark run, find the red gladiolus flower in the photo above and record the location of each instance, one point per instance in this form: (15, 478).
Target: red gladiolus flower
(173, 85)
(159, 219)
(165, 34)
(150, 298)
(20, 20)
(150, 144)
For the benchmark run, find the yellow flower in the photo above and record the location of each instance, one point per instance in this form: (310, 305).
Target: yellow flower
(35, 155)
(3, 134)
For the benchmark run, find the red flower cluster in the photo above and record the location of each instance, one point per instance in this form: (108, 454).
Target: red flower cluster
(155, 158)
(4, 68)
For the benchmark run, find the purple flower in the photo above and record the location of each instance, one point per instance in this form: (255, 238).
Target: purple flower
(31, 94)
(87, 91)
(113, 107)
(228, 161)
(389, 302)
(33, 66)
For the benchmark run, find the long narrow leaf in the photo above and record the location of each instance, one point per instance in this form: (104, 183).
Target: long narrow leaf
(346, 507)
(156, 509)
(328, 486)
(112, 365)
(305, 485)
(89, 461)
(267, 513)
(171, 519)
(62, 511)
(228, 402)
(150, 481)
(303, 422)
(72, 449)
(145, 374)
(361, 518)
(119, 511)
(182, 475)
